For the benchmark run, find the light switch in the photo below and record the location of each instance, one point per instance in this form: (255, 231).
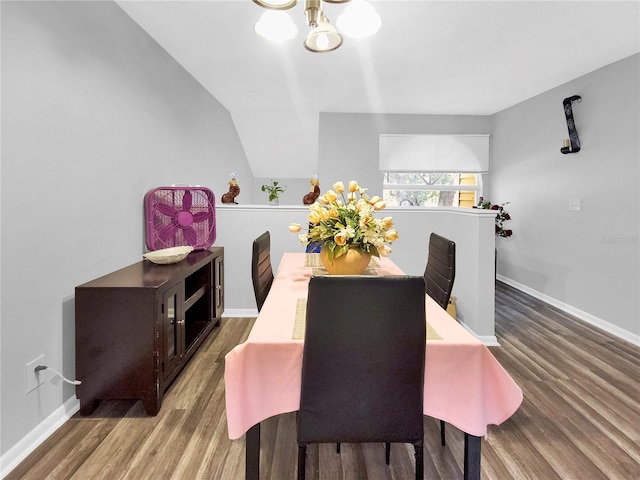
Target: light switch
(575, 204)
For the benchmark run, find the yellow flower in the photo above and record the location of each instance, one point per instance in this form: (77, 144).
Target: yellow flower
(324, 214)
(316, 207)
(339, 187)
(387, 223)
(294, 227)
(353, 186)
(331, 196)
(380, 205)
(314, 217)
(333, 212)
(361, 205)
(323, 199)
(375, 199)
(365, 220)
(340, 238)
(391, 235)
(350, 232)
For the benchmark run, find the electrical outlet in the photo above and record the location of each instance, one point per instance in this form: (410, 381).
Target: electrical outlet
(575, 204)
(32, 378)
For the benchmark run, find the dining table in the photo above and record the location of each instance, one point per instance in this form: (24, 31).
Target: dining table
(464, 384)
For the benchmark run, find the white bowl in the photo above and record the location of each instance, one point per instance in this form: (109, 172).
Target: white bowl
(168, 255)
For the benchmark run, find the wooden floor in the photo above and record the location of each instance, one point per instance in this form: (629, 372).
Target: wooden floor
(580, 418)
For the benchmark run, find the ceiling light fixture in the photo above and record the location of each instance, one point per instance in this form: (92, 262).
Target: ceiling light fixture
(276, 26)
(276, 4)
(359, 20)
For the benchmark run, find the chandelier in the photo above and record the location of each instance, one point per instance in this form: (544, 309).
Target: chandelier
(359, 20)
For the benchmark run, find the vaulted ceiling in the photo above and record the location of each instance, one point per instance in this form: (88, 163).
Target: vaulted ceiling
(430, 57)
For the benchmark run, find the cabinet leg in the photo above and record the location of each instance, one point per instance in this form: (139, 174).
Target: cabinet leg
(151, 405)
(87, 406)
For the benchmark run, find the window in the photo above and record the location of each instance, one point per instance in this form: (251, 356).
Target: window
(430, 170)
(431, 189)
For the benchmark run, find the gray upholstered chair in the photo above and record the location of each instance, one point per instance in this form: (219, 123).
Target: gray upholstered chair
(363, 363)
(261, 270)
(438, 279)
(441, 269)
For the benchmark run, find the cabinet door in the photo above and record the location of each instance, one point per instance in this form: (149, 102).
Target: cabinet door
(173, 329)
(218, 282)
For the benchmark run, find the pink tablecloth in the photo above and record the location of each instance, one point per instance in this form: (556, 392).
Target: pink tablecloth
(464, 383)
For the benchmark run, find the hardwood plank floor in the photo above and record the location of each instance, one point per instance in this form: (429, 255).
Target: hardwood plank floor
(580, 418)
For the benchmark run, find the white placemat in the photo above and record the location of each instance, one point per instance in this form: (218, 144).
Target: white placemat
(321, 271)
(300, 322)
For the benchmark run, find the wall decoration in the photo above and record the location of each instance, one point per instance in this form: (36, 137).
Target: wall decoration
(572, 144)
(234, 190)
(314, 192)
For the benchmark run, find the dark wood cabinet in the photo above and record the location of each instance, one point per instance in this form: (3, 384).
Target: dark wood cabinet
(137, 327)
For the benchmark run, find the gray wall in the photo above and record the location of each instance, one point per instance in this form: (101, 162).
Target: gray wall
(585, 262)
(349, 141)
(94, 114)
(587, 259)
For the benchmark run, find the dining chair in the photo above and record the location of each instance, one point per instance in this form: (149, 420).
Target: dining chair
(441, 269)
(261, 270)
(438, 279)
(363, 363)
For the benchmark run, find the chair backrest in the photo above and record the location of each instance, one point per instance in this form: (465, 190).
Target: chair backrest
(261, 270)
(363, 360)
(441, 269)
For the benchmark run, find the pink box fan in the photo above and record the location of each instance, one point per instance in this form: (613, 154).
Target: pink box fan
(180, 216)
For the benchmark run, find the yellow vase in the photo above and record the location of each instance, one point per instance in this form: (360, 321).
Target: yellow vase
(354, 262)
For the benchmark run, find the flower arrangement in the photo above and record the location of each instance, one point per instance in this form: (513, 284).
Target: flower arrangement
(340, 220)
(501, 217)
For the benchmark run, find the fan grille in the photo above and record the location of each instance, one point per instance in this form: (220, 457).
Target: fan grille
(180, 216)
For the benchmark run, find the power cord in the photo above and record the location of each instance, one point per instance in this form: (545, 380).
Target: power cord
(44, 367)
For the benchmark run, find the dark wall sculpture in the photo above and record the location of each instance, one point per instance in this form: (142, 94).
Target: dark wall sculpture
(573, 145)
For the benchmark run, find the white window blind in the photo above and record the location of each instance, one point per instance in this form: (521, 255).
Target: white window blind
(434, 153)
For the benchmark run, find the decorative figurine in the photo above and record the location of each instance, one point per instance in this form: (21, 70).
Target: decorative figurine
(314, 192)
(234, 191)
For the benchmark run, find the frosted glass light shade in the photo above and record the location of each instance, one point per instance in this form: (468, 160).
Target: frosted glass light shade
(359, 20)
(276, 26)
(276, 4)
(323, 38)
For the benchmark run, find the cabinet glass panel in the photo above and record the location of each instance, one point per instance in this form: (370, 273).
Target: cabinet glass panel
(172, 328)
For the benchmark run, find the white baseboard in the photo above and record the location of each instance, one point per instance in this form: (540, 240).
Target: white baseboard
(584, 316)
(240, 313)
(487, 340)
(38, 435)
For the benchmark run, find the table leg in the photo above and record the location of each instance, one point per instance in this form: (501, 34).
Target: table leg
(252, 453)
(472, 457)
